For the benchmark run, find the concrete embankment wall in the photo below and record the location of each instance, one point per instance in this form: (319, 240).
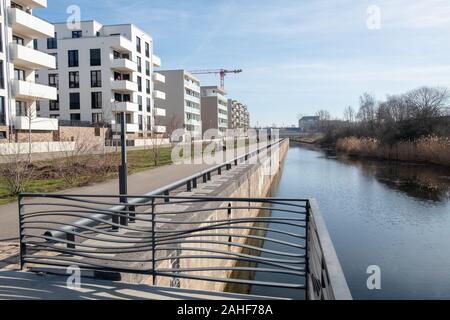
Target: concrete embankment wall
(251, 181)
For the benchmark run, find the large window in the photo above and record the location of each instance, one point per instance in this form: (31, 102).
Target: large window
(96, 59)
(53, 80)
(77, 34)
(2, 111)
(75, 117)
(140, 102)
(147, 50)
(96, 100)
(74, 79)
(139, 64)
(73, 58)
(148, 86)
(54, 104)
(2, 76)
(138, 44)
(149, 105)
(52, 43)
(96, 79)
(74, 101)
(139, 80)
(147, 68)
(21, 108)
(19, 74)
(18, 40)
(97, 118)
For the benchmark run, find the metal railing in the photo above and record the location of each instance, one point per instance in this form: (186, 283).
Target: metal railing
(186, 241)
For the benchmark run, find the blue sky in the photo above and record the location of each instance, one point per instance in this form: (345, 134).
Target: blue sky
(298, 56)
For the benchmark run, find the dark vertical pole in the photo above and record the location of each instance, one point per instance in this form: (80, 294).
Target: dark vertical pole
(22, 249)
(307, 247)
(123, 167)
(153, 243)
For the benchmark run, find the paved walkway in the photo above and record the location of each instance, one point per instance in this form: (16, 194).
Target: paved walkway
(139, 183)
(16, 285)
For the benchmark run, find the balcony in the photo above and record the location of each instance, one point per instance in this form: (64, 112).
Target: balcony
(127, 107)
(121, 44)
(29, 58)
(32, 3)
(158, 77)
(156, 61)
(130, 127)
(158, 112)
(30, 26)
(160, 129)
(33, 91)
(124, 65)
(38, 124)
(124, 86)
(159, 95)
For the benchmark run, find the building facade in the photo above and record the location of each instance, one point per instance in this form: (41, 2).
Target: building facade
(309, 124)
(214, 109)
(182, 104)
(101, 72)
(20, 95)
(238, 115)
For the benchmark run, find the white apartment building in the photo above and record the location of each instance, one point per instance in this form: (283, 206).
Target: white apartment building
(182, 102)
(102, 71)
(19, 60)
(214, 109)
(238, 115)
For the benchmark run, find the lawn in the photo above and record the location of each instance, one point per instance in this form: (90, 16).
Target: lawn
(47, 179)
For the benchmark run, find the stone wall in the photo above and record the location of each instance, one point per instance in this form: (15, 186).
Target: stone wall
(254, 183)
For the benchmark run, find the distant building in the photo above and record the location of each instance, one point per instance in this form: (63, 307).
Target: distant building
(309, 124)
(238, 115)
(214, 109)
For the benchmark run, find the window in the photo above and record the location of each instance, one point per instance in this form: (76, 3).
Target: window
(96, 79)
(53, 80)
(149, 105)
(54, 116)
(52, 43)
(77, 34)
(148, 86)
(2, 76)
(97, 118)
(18, 40)
(74, 79)
(96, 59)
(19, 74)
(147, 50)
(21, 108)
(139, 80)
(139, 64)
(141, 123)
(56, 59)
(147, 68)
(73, 58)
(149, 123)
(54, 104)
(96, 100)
(138, 44)
(35, 44)
(140, 103)
(75, 117)
(74, 101)
(1, 38)
(2, 111)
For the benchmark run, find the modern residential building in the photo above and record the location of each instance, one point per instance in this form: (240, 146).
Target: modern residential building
(182, 102)
(20, 95)
(103, 71)
(238, 115)
(214, 109)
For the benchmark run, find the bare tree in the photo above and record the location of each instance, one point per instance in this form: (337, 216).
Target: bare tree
(349, 114)
(324, 118)
(14, 170)
(428, 102)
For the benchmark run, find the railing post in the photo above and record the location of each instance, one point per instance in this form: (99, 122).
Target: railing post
(71, 237)
(153, 243)
(307, 252)
(167, 193)
(208, 176)
(22, 245)
(205, 178)
(189, 186)
(132, 215)
(219, 171)
(194, 183)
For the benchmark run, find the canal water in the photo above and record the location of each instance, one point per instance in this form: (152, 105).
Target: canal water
(392, 215)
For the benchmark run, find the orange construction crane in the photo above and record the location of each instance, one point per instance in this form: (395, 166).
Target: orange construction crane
(221, 72)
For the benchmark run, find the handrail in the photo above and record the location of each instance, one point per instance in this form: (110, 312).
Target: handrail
(190, 182)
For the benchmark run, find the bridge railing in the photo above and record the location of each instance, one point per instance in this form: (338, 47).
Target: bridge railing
(186, 241)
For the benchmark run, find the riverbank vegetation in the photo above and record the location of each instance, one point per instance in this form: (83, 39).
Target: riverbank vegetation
(414, 126)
